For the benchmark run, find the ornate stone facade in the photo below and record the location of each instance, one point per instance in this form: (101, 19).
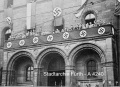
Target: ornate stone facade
(59, 43)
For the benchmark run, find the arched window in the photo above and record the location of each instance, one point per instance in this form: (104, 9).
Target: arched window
(29, 73)
(91, 68)
(89, 18)
(8, 34)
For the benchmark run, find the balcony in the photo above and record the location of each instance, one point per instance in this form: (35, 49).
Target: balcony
(61, 37)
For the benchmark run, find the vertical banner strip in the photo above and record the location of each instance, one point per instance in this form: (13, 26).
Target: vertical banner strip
(29, 7)
(58, 20)
(33, 13)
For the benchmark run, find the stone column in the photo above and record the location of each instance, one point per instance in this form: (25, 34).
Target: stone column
(35, 76)
(8, 77)
(4, 75)
(110, 73)
(108, 78)
(105, 77)
(68, 75)
(109, 62)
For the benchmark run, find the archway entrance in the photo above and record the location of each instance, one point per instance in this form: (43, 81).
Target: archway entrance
(53, 69)
(88, 63)
(20, 71)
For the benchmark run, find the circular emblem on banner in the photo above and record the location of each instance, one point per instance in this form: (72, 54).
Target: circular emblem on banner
(101, 30)
(83, 33)
(9, 44)
(57, 11)
(21, 42)
(35, 40)
(49, 38)
(8, 19)
(66, 35)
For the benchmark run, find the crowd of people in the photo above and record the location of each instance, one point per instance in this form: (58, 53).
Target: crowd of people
(32, 32)
(81, 26)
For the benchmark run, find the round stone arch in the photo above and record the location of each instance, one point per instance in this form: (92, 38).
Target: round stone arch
(86, 12)
(3, 34)
(48, 51)
(18, 55)
(81, 47)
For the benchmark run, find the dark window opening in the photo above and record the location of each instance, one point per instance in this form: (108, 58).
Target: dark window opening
(58, 28)
(30, 32)
(9, 3)
(58, 24)
(8, 34)
(90, 19)
(91, 68)
(29, 73)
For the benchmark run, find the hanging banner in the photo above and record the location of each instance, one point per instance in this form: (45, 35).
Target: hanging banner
(28, 19)
(57, 12)
(8, 19)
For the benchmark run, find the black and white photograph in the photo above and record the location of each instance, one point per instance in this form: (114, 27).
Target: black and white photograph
(59, 43)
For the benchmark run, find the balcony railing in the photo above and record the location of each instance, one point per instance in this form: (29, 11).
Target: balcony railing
(77, 34)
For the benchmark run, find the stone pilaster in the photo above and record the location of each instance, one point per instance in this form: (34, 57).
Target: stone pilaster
(68, 76)
(4, 75)
(36, 70)
(108, 78)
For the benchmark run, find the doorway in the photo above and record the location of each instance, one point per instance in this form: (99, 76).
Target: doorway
(58, 79)
(54, 65)
(20, 74)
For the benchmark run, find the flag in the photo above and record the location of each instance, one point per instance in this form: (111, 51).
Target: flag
(117, 9)
(79, 11)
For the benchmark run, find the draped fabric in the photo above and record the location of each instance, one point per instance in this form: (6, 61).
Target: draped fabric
(31, 15)
(58, 20)
(117, 9)
(79, 11)
(29, 6)
(83, 3)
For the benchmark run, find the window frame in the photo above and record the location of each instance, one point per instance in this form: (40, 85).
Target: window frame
(86, 13)
(92, 70)
(92, 20)
(59, 27)
(29, 77)
(7, 34)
